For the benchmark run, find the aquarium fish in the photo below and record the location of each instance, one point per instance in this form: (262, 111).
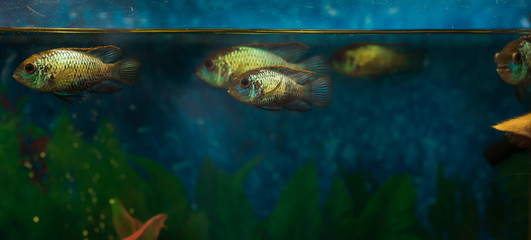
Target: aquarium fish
(218, 68)
(513, 63)
(369, 59)
(66, 72)
(518, 130)
(277, 87)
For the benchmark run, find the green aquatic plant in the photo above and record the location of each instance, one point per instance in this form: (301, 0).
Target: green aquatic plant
(87, 173)
(221, 196)
(87, 177)
(454, 215)
(337, 211)
(297, 214)
(353, 210)
(84, 174)
(508, 211)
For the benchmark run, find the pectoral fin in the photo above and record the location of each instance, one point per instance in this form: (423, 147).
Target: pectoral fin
(520, 92)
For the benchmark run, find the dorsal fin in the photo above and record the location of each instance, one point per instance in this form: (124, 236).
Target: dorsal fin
(107, 54)
(291, 51)
(301, 77)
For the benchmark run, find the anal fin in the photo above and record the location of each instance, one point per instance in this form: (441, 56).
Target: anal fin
(298, 105)
(270, 108)
(105, 87)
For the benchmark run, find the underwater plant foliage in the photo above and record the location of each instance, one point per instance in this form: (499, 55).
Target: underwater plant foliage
(454, 215)
(86, 174)
(222, 197)
(508, 212)
(336, 211)
(130, 228)
(297, 214)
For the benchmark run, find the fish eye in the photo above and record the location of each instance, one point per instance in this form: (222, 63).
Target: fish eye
(496, 57)
(29, 68)
(244, 83)
(517, 58)
(209, 65)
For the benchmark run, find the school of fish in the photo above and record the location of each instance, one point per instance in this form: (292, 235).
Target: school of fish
(270, 76)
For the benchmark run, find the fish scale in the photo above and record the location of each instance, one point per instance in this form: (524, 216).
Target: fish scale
(74, 71)
(246, 58)
(287, 91)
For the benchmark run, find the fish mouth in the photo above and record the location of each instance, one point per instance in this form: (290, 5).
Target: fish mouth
(503, 68)
(16, 77)
(199, 74)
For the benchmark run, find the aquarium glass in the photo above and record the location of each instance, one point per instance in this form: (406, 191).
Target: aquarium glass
(264, 120)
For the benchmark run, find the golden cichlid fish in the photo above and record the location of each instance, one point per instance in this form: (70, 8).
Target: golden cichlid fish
(68, 71)
(277, 87)
(513, 63)
(368, 59)
(218, 68)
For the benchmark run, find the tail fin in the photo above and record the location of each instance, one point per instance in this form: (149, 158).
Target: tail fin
(126, 71)
(319, 92)
(415, 61)
(318, 64)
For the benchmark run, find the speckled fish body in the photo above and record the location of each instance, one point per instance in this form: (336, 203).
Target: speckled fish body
(218, 68)
(513, 63)
(367, 59)
(67, 70)
(73, 70)
(276, 87)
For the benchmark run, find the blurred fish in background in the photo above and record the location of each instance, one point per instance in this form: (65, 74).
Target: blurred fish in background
(218, 68)
(513, 63)
(279, 87)
(66, 72)
(371, 59)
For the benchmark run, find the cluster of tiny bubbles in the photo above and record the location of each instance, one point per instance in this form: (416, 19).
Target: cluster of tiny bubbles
(95, 226)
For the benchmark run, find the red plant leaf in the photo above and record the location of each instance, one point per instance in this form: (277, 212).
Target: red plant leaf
(150, 230)
(124, 224)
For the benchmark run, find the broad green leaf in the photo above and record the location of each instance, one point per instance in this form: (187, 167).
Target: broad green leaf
(221, 196)
(297, 214)
(337, 211)
(390, 211)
